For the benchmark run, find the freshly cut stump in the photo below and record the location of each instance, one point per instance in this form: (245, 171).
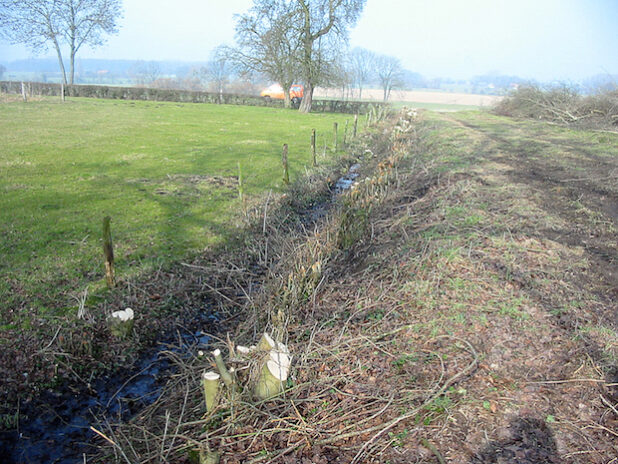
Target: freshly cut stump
(121, 323)
(210, 383)
(272, 376)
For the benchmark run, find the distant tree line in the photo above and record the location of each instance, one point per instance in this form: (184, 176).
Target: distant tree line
(298, 41)
(282, 41)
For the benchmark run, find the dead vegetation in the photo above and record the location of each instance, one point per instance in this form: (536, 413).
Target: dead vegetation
(444, 310)
(563, 105)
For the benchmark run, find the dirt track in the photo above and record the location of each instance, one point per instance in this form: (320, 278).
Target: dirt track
(574, 182)
(541, 207)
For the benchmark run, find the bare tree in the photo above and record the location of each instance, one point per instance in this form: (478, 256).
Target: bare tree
(389, 73)
(145, 72)
(362, 65)
(71, 23)
(321, 23)
(340, 74)
(218, 70)
(268, 42)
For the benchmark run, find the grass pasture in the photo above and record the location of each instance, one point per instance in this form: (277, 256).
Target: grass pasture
(165, 172)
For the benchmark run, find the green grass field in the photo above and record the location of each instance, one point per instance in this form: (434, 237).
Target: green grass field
(165, 173)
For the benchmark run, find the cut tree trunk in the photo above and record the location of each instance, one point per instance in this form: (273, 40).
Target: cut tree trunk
(121, 323)
(272, 376)
(227, 378)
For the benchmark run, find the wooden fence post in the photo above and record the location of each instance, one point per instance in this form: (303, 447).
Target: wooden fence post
(345, 134)
(355, 125)
(284, 160)
(108, 251)
(336, 139)
(241, 184)
(315, 161)
(23, 92)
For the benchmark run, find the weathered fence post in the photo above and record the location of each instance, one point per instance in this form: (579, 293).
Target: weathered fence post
(355, 125)
(23, 92)
(284, 160)
(315, 161)
(345, 134)
(241, 184)
(108, 251)
(336, 140)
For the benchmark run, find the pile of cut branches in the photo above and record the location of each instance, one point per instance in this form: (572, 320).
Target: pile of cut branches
(563, 105)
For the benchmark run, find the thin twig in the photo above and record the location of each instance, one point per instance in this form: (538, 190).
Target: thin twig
(101, 434)
(433, 449)
(554, 382)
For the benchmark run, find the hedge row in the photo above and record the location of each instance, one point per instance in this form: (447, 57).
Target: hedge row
(185, 96)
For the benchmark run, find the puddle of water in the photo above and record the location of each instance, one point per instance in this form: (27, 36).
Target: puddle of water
(345, 183)
(57, 429)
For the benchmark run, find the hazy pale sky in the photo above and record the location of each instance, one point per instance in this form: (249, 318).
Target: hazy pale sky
(543, 39)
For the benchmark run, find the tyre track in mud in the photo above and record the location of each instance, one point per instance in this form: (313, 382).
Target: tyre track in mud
(560, 189)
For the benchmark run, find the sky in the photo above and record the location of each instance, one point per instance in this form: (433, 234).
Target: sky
(565, 40)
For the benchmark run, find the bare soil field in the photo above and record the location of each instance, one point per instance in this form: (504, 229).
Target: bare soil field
(419, 96)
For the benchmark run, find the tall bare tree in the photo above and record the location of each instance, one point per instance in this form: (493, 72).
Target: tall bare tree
(389, 73)
(340, 75)
(218, 70)
(321, 23)
(60, 23)
(268, 43)
(362, 65)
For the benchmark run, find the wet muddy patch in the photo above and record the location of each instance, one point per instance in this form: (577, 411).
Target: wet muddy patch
(57, 427)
